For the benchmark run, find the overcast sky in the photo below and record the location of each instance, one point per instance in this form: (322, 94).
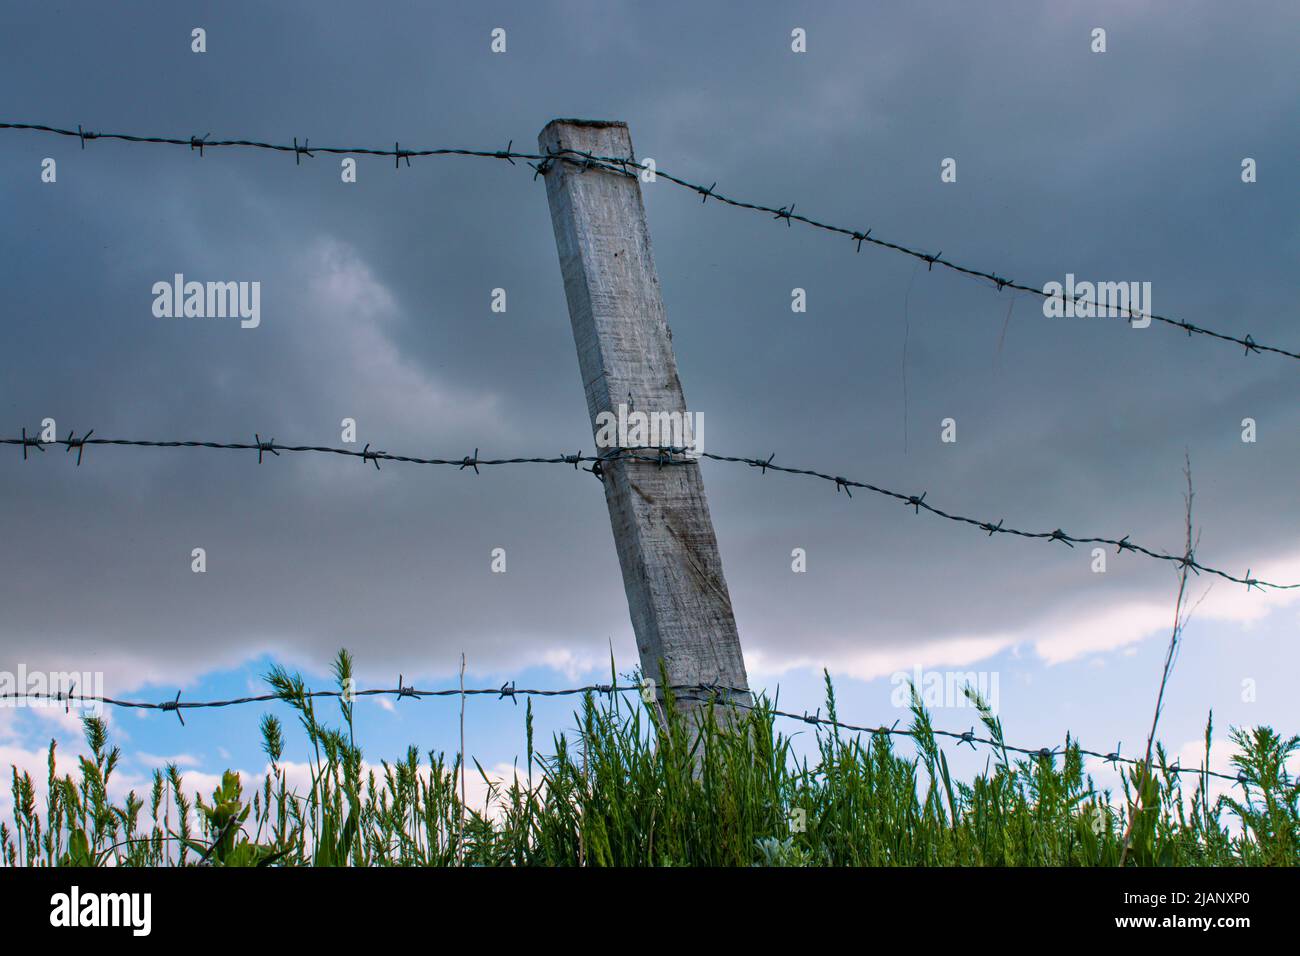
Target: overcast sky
(375, 305)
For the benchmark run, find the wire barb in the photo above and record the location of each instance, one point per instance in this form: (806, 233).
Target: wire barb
(77, 443)
(264, 446)
(404, 691)
(31, 443)
(176, 706)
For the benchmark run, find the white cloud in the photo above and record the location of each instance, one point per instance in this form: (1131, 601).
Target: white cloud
(880, 662)
(1070, 634)
(1061, 635)
(573, 665)
(152, 761)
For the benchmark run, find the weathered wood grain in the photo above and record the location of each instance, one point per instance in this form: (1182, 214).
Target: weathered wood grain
(672, 572)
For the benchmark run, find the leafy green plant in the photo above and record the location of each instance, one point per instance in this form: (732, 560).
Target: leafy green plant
(662, 785)
(224, 819)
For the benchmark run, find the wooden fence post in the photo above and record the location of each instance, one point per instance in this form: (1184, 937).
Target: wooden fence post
(672, 572)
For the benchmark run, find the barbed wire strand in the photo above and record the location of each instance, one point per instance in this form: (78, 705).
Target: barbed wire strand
(660, 456)
(701, 693)
(541, 163)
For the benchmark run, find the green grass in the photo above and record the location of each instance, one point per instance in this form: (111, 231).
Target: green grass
(640, 786)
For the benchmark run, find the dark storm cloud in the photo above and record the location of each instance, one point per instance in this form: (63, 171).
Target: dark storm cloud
(1120, 166)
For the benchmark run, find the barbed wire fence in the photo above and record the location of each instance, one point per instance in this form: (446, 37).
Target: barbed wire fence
(630, 166)
(663, 456)
(702, 693)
